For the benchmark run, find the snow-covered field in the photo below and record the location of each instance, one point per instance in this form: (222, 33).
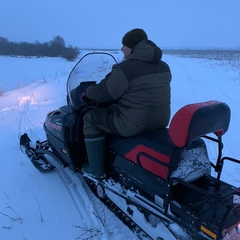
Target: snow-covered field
(35, 206)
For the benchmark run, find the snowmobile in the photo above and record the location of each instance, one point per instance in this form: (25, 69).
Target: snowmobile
(164, 174)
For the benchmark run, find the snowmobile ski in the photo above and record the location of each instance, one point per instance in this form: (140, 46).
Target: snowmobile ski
(39, 161)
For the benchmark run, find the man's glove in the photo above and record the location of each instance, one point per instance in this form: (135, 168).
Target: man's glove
(85, 98)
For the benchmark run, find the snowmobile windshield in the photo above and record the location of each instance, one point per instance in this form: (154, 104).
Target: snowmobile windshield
(92, 67)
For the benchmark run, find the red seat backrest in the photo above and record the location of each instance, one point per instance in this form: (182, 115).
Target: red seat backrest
(195, 120)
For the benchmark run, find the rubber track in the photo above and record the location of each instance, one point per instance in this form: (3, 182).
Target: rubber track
(120, 214)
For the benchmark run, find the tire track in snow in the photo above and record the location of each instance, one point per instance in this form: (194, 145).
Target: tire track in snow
(190, 82)
(218, 90)
(227, 95)
(23, 107)
(24, 123)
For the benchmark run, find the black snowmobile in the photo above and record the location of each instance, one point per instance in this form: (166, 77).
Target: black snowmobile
(163, 174)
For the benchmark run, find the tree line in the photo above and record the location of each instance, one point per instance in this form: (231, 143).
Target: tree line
(54, 48)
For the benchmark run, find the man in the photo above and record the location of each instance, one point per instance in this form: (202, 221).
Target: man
(141, 87)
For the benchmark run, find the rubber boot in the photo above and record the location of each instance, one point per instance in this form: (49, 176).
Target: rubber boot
(96, 157)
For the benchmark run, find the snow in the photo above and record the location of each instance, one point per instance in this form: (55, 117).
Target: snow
(59, 205)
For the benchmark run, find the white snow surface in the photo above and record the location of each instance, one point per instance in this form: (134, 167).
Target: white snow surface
(59, 205)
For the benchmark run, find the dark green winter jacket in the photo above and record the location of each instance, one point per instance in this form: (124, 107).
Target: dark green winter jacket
(141, 86)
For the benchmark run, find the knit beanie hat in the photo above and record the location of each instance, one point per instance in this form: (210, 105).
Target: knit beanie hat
(133, 37)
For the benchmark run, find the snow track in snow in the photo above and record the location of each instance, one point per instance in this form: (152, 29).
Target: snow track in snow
(87, 204)
(23, 107)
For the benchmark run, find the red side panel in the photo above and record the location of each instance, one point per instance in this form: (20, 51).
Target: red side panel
(151, 163)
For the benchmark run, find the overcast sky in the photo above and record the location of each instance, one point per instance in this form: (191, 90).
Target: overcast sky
(102, 23)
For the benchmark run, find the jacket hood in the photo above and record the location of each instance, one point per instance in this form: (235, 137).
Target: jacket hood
(146, 51)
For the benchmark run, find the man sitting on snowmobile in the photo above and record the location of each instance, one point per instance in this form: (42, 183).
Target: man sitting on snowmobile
(141, 87)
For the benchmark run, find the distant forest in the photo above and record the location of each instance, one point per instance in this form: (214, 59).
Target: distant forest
(53, 48)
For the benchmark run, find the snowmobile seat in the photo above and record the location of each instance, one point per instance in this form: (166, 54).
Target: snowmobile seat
(152, 150)
(178, 150)
(195, 120)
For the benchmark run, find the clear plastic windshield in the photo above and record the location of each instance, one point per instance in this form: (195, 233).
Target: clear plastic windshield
(91, 67)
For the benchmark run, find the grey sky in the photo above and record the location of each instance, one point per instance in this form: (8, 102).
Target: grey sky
(102, 23)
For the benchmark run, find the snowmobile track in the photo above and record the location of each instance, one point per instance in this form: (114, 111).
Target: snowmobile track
(120, 214)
